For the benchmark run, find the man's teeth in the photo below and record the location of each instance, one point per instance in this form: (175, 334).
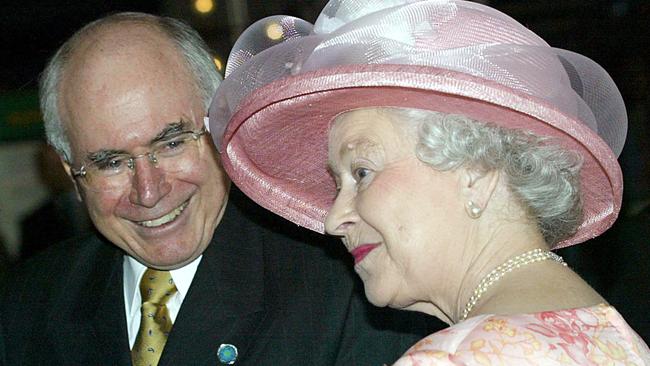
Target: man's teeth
(165, 219)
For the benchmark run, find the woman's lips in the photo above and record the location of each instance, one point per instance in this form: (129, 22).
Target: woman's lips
(362, 251)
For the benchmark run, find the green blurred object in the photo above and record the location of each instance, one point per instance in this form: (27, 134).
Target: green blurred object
(20, 117)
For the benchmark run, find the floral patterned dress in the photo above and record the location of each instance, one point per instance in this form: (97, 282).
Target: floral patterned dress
(585, 336)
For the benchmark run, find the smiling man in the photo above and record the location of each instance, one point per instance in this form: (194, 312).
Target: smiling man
(159, 217)
(178, 276)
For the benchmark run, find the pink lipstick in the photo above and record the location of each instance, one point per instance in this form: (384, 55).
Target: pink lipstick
(362, 251)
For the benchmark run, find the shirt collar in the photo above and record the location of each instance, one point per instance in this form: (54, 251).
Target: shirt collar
(133, 271)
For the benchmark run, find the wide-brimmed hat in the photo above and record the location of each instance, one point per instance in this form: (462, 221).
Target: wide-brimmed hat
(286, 80)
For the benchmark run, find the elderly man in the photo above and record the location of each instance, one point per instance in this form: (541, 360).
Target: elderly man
(188, 279)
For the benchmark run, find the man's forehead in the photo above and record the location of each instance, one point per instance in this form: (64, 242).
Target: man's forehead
(121, 95)
(124, 48)
(122, 37)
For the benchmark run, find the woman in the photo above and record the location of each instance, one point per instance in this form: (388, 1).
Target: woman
(450, 148)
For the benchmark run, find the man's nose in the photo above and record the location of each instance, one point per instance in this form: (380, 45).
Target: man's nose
(149, 184)
(342, 216)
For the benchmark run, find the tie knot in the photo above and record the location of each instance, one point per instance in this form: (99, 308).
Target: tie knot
(156, 287)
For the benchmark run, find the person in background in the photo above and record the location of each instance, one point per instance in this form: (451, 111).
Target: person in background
(5, 261)
(61, 216)
(451, 149)
(180, 273)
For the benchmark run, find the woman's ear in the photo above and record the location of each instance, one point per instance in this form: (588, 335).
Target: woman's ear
(68, 171)
(477, 190)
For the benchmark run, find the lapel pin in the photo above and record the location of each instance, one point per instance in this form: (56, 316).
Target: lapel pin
(227, 354)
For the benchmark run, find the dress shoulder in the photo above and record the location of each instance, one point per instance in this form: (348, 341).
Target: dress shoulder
(595, 335)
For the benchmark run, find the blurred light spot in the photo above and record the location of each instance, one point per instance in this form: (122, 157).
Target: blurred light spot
(218, 64)
(274, 31)
(204, 6)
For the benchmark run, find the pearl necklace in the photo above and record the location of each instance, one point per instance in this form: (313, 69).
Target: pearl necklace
(533, 256)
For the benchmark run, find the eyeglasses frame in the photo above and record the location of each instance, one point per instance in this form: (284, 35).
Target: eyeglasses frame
(81, 172)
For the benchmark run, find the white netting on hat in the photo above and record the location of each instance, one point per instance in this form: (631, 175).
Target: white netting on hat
(453, 35)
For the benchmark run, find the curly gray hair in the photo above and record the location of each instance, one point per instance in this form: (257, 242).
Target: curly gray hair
(197, 55)
(543, 176)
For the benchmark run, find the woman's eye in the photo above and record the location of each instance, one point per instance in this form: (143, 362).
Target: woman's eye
(361, 173)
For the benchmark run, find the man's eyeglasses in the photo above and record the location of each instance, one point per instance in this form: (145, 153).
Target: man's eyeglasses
(113, 171)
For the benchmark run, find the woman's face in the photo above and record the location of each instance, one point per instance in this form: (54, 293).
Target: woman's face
(396, 215)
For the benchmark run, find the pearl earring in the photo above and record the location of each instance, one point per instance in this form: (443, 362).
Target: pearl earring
(473, 210)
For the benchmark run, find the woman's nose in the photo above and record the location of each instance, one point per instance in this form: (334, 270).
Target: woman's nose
(342, 216)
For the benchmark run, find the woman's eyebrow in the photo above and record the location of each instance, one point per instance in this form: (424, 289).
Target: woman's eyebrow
(362, 145)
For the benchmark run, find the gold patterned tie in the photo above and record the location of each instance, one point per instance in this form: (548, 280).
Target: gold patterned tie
(156, 287)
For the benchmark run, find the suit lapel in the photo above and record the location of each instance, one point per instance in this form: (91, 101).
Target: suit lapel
(109, 322)
(225, 302)
(95, 328)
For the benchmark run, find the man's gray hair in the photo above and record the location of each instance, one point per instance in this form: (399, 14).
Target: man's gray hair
(545, 177)
(192, 48)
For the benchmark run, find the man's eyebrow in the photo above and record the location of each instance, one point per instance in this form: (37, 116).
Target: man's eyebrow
(170, 130)
(101, 155)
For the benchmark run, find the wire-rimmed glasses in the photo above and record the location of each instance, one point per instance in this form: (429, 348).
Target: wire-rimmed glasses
(113, 171)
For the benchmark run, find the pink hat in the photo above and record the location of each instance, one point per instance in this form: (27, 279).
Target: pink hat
(287, 79)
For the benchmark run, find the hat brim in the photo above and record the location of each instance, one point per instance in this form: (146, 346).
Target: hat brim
(275, 146)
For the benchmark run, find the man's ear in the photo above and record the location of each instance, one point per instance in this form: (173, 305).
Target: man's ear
(477, 190)
(68, 171)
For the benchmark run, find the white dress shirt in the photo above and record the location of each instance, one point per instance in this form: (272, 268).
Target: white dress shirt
(133, 271)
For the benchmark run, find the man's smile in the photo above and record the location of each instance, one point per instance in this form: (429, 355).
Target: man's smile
(171, 216)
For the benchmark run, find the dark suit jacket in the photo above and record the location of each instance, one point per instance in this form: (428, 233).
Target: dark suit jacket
(280, 300)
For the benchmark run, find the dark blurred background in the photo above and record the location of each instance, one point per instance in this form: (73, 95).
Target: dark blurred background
(38, 207)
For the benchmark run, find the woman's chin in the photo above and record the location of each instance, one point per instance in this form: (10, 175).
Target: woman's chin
(377, 303)
(386, 299)
(378, 298)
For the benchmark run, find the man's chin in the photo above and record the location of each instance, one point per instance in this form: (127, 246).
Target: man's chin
(167, 264)
(165, 258)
